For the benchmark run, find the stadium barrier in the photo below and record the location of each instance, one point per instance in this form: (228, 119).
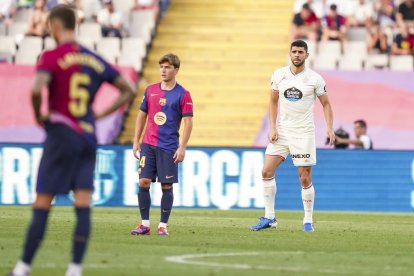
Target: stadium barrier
(230, 178)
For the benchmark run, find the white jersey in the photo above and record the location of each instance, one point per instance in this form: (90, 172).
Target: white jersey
(297, 94)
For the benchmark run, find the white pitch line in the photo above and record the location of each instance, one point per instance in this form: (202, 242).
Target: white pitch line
(189, 260)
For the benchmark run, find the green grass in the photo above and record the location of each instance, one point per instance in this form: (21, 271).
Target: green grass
(343, 243)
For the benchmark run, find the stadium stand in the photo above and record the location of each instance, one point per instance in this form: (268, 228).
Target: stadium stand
(228, 55)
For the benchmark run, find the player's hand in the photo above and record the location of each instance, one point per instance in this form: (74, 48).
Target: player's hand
(98, 116)
(331, 136)
(41, 120)
(179, 155)
(273, 135)
(136, 149)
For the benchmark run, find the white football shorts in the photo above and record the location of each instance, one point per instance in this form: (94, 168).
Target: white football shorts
(301, 149)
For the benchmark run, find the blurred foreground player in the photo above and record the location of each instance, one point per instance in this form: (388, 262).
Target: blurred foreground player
(73, 75)
(296, 88)
(163, 107)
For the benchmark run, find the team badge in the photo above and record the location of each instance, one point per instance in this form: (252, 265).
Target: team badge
(160, 118)
(163, 101)
(293, 94)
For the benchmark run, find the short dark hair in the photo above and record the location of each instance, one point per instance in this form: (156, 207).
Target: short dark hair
(333, 7)
(299, 43)
(65, 14)
(306, 7)
(361, 123)
(171, 59)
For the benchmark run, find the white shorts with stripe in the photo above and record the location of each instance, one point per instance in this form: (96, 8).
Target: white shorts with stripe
(301, 149)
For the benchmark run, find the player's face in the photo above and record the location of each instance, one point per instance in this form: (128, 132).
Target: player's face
(298, 55)
(167, 72)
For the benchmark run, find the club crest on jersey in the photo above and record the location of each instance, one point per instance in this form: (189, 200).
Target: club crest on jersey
(293, 94)
(163, 101)
(160, 118)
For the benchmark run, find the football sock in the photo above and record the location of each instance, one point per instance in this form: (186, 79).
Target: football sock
(167, 200)
(35, 234)
(81, 234)
(74, 270)
(308, 198)
(144, 202)
(162, 224)
(269, 192)
(145, 222)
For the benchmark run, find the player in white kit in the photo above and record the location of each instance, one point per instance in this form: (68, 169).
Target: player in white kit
(296, 88)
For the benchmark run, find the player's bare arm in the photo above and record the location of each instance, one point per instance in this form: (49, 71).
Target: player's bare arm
(40, 81)
(188, 127)
(126, 95)
(139, 128)
(327, 111)
(273, 107)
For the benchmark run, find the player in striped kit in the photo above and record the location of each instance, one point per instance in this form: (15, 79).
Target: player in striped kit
(163, 107)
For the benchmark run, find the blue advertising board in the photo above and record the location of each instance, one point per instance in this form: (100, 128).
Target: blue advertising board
(230, 178)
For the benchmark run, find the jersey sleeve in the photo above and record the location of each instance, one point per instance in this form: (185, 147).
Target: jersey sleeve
(320, 87)
(275, 80)
(187, 105)
(144, 103)
(46, 63)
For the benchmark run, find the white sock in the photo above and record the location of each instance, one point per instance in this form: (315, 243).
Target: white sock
(269, 193)
(162, 224)
(308, 198)
(74, 270)
(146, 223)
(21, 269)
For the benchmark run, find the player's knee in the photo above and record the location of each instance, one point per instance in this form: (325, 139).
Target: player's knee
(144, 183)
(266, 173)
(166, 186)
(305, 180)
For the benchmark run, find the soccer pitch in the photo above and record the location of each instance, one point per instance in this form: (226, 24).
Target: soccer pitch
(213, 242)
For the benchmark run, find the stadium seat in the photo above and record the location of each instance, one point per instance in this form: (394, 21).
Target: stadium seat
(109, 48)
(49, 43)
(3, 29)
(376, 61)
(329, 48)
(356, 49)
(357, 34)
(17, 28)
(31, 44)
(123, 6)
(7, 48)
(324, 62)
(142, 30)
(349, 63)
(130, 59)
(134, 45)
(22, 15)
(90, 30)
(86, 42)
(401, 63)
(312, 48)
(26, 58)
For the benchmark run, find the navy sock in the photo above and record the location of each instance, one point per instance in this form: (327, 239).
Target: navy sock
(81, 234)
(35, 234)
(167, 200)
(144, 201)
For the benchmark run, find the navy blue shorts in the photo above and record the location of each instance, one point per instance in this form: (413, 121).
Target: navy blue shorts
(68, 161)
(157, 164)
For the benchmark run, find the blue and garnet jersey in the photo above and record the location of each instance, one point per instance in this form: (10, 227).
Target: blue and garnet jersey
(165, 109)
(76, 75)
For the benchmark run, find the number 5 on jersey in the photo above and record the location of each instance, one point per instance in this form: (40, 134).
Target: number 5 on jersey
(79, 95)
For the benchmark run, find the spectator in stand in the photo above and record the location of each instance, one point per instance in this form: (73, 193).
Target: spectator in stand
(361, 13)
(7, 10)
(305, 24)
(110, 20)
(376, 40)
(385, 13)
(76, 4)
(25, 3)
(334, 26)
(405, 14)
(404, 42)
(91, 9)
(38, 19)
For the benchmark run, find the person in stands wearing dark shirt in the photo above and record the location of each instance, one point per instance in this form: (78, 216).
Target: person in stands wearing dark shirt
(305, 24)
